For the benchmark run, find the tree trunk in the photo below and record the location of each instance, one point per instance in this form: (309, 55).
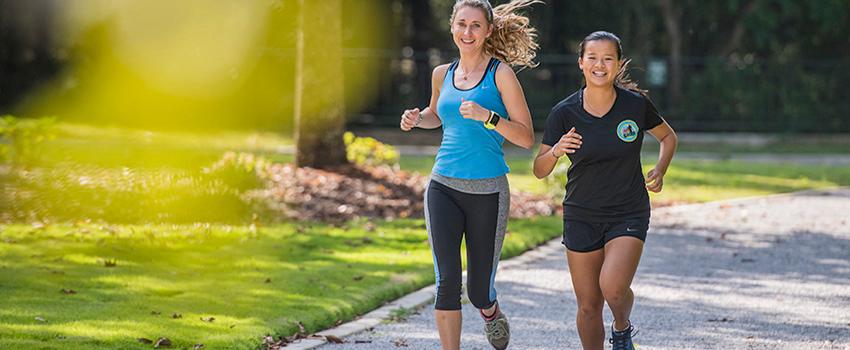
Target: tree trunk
(672, 23)
(319, 98)
(744, 11)
(422, 41)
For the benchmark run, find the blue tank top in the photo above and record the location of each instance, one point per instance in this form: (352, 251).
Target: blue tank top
(469, 150)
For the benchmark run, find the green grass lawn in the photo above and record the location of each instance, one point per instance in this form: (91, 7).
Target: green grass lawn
(252, 282)
(703, 181)
(781, 145)
(692, 180)
(117, 147)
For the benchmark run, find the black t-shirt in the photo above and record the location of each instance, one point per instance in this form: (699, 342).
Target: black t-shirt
(605, 181)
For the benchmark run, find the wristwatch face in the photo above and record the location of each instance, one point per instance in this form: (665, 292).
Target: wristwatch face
(492, 121)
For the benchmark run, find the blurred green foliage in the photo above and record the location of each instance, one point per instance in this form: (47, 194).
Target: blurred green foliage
(369, 151)
(20, 139)
(77, 192)
(186, 65)
(241, 171)
(130, 176)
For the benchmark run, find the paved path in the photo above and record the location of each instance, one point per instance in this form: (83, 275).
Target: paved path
(831, 159)
(762, 273)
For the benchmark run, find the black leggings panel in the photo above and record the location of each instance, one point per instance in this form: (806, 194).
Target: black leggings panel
(450, 214)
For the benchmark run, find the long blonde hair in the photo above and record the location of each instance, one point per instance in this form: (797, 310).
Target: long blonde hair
(513, 39)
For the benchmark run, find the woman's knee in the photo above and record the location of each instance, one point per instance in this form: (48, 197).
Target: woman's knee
(448, 297)
(479, 297)
(615, 293)
(590, 309)
(448, 291)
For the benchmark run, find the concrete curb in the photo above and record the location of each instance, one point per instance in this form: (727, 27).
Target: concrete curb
(415, 300)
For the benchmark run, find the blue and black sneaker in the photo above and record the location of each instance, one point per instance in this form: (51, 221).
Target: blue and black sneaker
(622, 340)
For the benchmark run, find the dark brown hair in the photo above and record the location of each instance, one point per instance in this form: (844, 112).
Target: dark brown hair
(622, 80)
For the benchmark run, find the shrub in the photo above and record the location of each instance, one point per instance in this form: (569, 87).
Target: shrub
(556, 181)
(21, 138)
(241, 171)
(369, 151)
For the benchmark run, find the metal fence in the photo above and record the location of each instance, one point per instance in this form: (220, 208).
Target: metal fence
(741, 94)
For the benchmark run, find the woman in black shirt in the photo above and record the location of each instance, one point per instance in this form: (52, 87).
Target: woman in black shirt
(606, 207)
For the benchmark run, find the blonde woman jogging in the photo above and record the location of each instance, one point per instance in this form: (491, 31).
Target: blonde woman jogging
(479, 103)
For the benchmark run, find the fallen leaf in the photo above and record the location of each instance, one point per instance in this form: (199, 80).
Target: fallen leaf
(334, 339)
(40, 319)
(357, 278)
(176, 315)
(68, 291)
(110, 263)
(208, 319)
(370, 226)
(163, 342)
(145, 340)
(198, 347)
(400, 343)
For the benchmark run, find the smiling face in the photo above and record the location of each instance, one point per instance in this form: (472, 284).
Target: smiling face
(600, 63)
(470, 29)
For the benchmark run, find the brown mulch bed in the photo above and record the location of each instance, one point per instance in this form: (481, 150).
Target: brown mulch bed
(349, 192)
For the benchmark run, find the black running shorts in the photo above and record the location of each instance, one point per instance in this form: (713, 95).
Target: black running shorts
(583, 236)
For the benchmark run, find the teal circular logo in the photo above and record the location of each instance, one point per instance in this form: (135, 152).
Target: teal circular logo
(627, 130)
